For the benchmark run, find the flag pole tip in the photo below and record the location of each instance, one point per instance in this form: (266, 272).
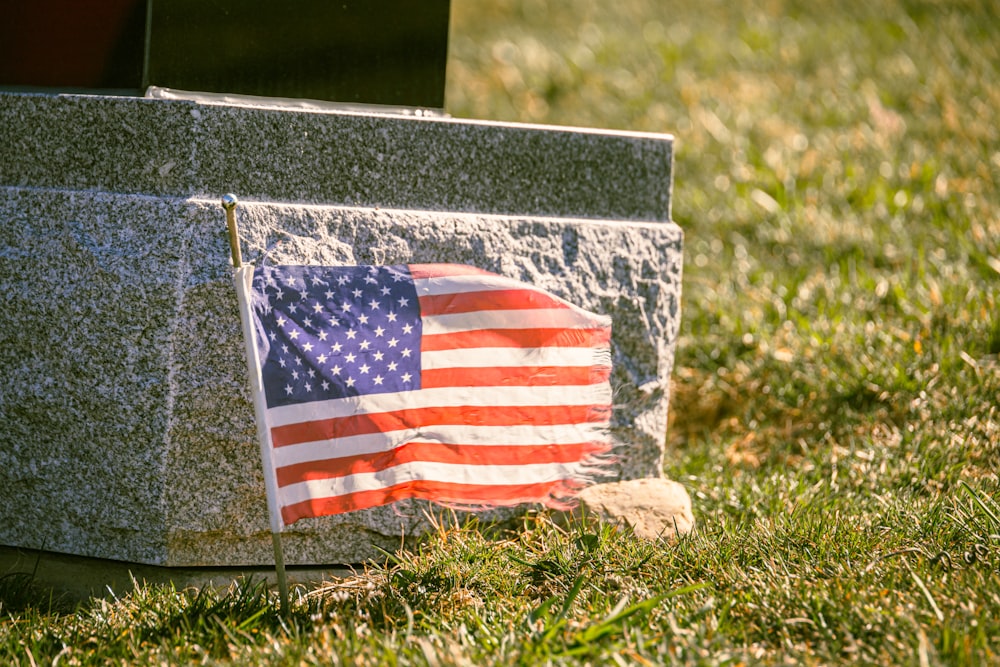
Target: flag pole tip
(229, 201)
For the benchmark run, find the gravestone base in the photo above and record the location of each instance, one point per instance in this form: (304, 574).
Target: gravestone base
(127, 431)
(64, 580)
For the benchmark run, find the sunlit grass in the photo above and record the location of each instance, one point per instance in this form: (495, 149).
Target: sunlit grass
(834, 406)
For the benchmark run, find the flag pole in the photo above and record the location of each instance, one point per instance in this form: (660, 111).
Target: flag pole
(229, 202)
(242, 277)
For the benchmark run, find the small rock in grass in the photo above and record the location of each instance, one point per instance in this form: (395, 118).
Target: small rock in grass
(653, 508)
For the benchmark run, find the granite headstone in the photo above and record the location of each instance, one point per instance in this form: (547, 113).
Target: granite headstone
(126, 428)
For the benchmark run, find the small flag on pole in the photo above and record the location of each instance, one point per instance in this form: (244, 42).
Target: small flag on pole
(433, 381)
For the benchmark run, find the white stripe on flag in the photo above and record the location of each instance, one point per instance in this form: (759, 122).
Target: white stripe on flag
(596, 394)
(461, 434)
(539, 318)
(473, 282)
(508, 357)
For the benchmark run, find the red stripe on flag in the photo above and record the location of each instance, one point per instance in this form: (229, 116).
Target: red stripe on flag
(560, 337)
(446, 492)
(396, 420)
(423, 271)
(506, 299)
(515, 376)
(473, 455)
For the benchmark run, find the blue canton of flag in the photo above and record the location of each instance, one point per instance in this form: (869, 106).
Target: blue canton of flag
(343, 331)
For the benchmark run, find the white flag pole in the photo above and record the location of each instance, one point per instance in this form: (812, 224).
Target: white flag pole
(242, 278)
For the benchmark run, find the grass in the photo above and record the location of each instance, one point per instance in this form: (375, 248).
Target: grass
(834, 411)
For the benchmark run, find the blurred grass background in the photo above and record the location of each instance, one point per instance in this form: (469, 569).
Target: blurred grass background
(836, 177)
(835, 398)
(836, 383)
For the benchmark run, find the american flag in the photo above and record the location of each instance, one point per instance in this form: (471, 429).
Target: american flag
(433, 381)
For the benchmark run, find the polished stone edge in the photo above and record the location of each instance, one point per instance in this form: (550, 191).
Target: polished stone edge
(179, 148)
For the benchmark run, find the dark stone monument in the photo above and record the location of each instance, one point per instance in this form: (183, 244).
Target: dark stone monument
(389, 52)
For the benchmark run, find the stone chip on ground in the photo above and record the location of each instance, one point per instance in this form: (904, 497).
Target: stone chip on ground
(654, 508)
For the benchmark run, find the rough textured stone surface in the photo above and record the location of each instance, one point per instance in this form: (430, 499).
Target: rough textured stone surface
(126, 430)
(653, 508)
